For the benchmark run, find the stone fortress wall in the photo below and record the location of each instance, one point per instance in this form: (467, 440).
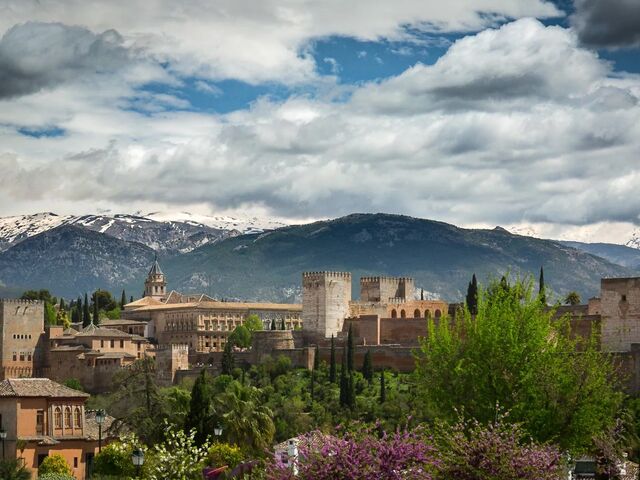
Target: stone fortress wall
(21, 329)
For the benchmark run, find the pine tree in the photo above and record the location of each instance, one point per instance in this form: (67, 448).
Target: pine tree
(123, 300)
(344, 380)
(472, 296)
(542, 293)
(227, 359)
(350, 349)
(383, 389)
(131, 299)
(199, 415)
(86, 316)
(282, 325)
(367, 367)
(96, 312)
(62, 306)
(273, 324)
(332, 363)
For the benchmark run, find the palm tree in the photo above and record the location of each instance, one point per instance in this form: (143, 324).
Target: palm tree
(12, 469)
(246, 421)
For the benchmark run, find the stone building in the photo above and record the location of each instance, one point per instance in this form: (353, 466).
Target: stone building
(52, 419)
(155, 286)
(21, 343)
(199, 321)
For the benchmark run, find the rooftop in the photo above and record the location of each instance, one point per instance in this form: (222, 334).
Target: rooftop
(37, 387)
(97, 331)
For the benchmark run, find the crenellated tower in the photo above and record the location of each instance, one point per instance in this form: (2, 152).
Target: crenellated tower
(325, 302)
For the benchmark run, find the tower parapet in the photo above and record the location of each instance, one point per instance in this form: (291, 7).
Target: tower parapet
(384, 289)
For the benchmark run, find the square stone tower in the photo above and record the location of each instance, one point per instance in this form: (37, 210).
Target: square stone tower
(620, 311)
(325, 302)
(384, 289)
(21, 337)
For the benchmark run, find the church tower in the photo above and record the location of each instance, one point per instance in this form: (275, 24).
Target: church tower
(155, 286)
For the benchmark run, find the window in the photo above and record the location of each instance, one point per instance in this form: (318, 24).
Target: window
(67, 417)
(78, 417)
(624, 298)
(57, 417)
(427, 314)
(75, 462)
(438, 313)
(394, 314)
(15, 356)
(112, 343)
(40, 422)
(403, 314)
(101, 343)
(416, 313)
(22, 356)
(121, 343)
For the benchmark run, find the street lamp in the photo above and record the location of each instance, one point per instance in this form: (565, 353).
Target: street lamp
(100, 417)
(3, 436)
(137, 457)
(217, 431)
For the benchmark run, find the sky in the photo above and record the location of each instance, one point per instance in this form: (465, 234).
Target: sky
(520, 113)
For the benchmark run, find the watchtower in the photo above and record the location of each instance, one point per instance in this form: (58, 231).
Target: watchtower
(155, 286)
(383, 289)
(325, 302)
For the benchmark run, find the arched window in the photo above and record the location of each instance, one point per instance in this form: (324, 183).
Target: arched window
(416, 313)
(438, 313)
(403, 314)
(427, 313)
(67, 417)
(394, 314)
(57, 417)
(78, 418)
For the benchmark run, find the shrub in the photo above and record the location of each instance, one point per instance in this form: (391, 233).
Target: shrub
(54, 464)
(114, 459)
(56, 476)
(220, 454)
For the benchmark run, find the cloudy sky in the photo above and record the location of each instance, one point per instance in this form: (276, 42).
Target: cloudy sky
(521, 113)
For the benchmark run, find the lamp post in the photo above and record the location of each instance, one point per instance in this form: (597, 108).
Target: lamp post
(3, 436)
(137, 457)
(217, 431)
(100, 417)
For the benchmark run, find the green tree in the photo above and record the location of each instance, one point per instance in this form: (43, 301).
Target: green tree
(199, 418)
(115, 461)
(96, 314)
(86, 316)
(383, 389)
(273, 324)
(43, 295)
(62, 305)
(515, 355)
(367, 367)
(332, 363)
(472, 295)
(62, 319)
(13, 469)
(350, 349)
(572, 298)
(73, 383)
(49, 314)
(316, 358)
(104, 300)
(344, 380)
(221, 454)
(247, 421)
(123, 300)
(178, 456)
(542, 293)
(253, 323)
(54, 464)
(227, 358)
(241, 337)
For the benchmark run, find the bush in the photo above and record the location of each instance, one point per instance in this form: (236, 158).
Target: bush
(56, 476)
(54, 464)
(115, 459)
(220, 454)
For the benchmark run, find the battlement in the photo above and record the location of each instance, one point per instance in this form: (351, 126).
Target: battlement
(19, 301)
(315, 275)
(380, 279)
(175, 347)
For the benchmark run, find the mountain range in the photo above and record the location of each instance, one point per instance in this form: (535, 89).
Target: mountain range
(248, 260)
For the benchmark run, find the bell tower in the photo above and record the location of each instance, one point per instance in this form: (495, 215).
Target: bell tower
(155, 286)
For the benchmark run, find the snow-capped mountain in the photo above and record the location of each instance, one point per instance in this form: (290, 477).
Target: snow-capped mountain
(162, 231)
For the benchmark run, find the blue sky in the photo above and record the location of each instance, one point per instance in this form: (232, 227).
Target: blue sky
(501, 112)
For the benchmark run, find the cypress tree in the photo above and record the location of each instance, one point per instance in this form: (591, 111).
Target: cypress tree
(96, 311)
(542, 292)
(131, 299)
(472, 296)
(62, 306)
(350, 349)
(367, 367)
(332, 363)
(344, 380)
(316, 358)
(282, 325)
(199, 414)
(123, 300)
(273, 324)
(351, 392)
(227, 359)
(86, 316)
(313, 382)
(383, 389)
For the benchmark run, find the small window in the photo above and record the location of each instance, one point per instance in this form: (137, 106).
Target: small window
(67, 417)
(15, 357)
(113, 343)
(57, 417)
(394, 314)
(416, 313)
(78, 417)
(121, 343)
(624, 298)
(438, 313)
(22, 356)
(75, 462)
(101, 343)
(403, 314)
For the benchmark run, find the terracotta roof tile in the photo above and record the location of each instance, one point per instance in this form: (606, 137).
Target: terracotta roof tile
(37, 387)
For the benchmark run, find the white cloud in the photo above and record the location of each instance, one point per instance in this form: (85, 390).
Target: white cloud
(459, 141)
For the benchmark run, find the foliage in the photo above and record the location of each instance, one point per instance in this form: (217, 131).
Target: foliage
(542, 292)
(123, 300)
(367, 367)
(113, 314)
(253, 323)
(240, 337)
(12, 469)
(114, 459)
(572, 298)
(332, 363)
(221, 454)
(62, 319)
(499, 451)
(86, 317)
(49, 314)
(472, 295)
(56, 476)
(43, 295)
(199, 418)
(104, 299)
(514, 353)
(54, 464)
(350, 349)
(361, 455)
(73, 383)
(178, 457)
(227, 358)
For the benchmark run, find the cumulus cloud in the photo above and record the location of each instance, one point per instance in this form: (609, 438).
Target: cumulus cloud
(40, 55)
(266, 40)
(607, 23)
(459, 141)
